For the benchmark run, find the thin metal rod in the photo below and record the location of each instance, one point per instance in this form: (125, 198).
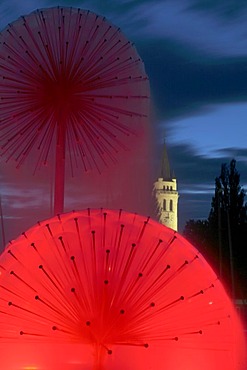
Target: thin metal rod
(220, 234)
(60, 170)
(2, 223)
(231, 254)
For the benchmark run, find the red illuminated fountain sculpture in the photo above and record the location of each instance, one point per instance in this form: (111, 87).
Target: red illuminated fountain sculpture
(68, 79)
(96, 289)
(101, 289)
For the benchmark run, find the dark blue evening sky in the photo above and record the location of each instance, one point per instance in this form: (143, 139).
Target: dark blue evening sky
(195, 54)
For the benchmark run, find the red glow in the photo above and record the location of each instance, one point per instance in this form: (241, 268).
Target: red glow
(101, 289)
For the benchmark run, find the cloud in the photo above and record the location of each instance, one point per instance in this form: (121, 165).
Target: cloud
(13, 9)
(225, 9)
(195, 55)
(182, 77)
(196, 178)
(198, 25)
(211, 130)
(183, 81)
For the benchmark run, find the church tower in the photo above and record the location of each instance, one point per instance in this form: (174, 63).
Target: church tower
(167, 195)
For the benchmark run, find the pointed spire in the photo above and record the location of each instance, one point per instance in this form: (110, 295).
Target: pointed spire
(165, 167)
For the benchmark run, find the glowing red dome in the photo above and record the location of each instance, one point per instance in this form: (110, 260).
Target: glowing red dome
(102, 289)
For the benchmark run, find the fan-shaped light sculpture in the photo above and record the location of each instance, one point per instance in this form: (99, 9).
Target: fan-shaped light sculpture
(102, 289)
(70, 79)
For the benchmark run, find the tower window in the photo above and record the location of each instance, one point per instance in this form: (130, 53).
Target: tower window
(164, 204)
(171, 205)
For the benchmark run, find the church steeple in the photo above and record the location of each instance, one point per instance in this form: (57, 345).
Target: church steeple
(165, 166)
(166, 194)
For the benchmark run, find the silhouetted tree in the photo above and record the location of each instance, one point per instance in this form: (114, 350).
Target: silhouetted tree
(228, 197)
(223, 236)
(227, 223)
(198, 233)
